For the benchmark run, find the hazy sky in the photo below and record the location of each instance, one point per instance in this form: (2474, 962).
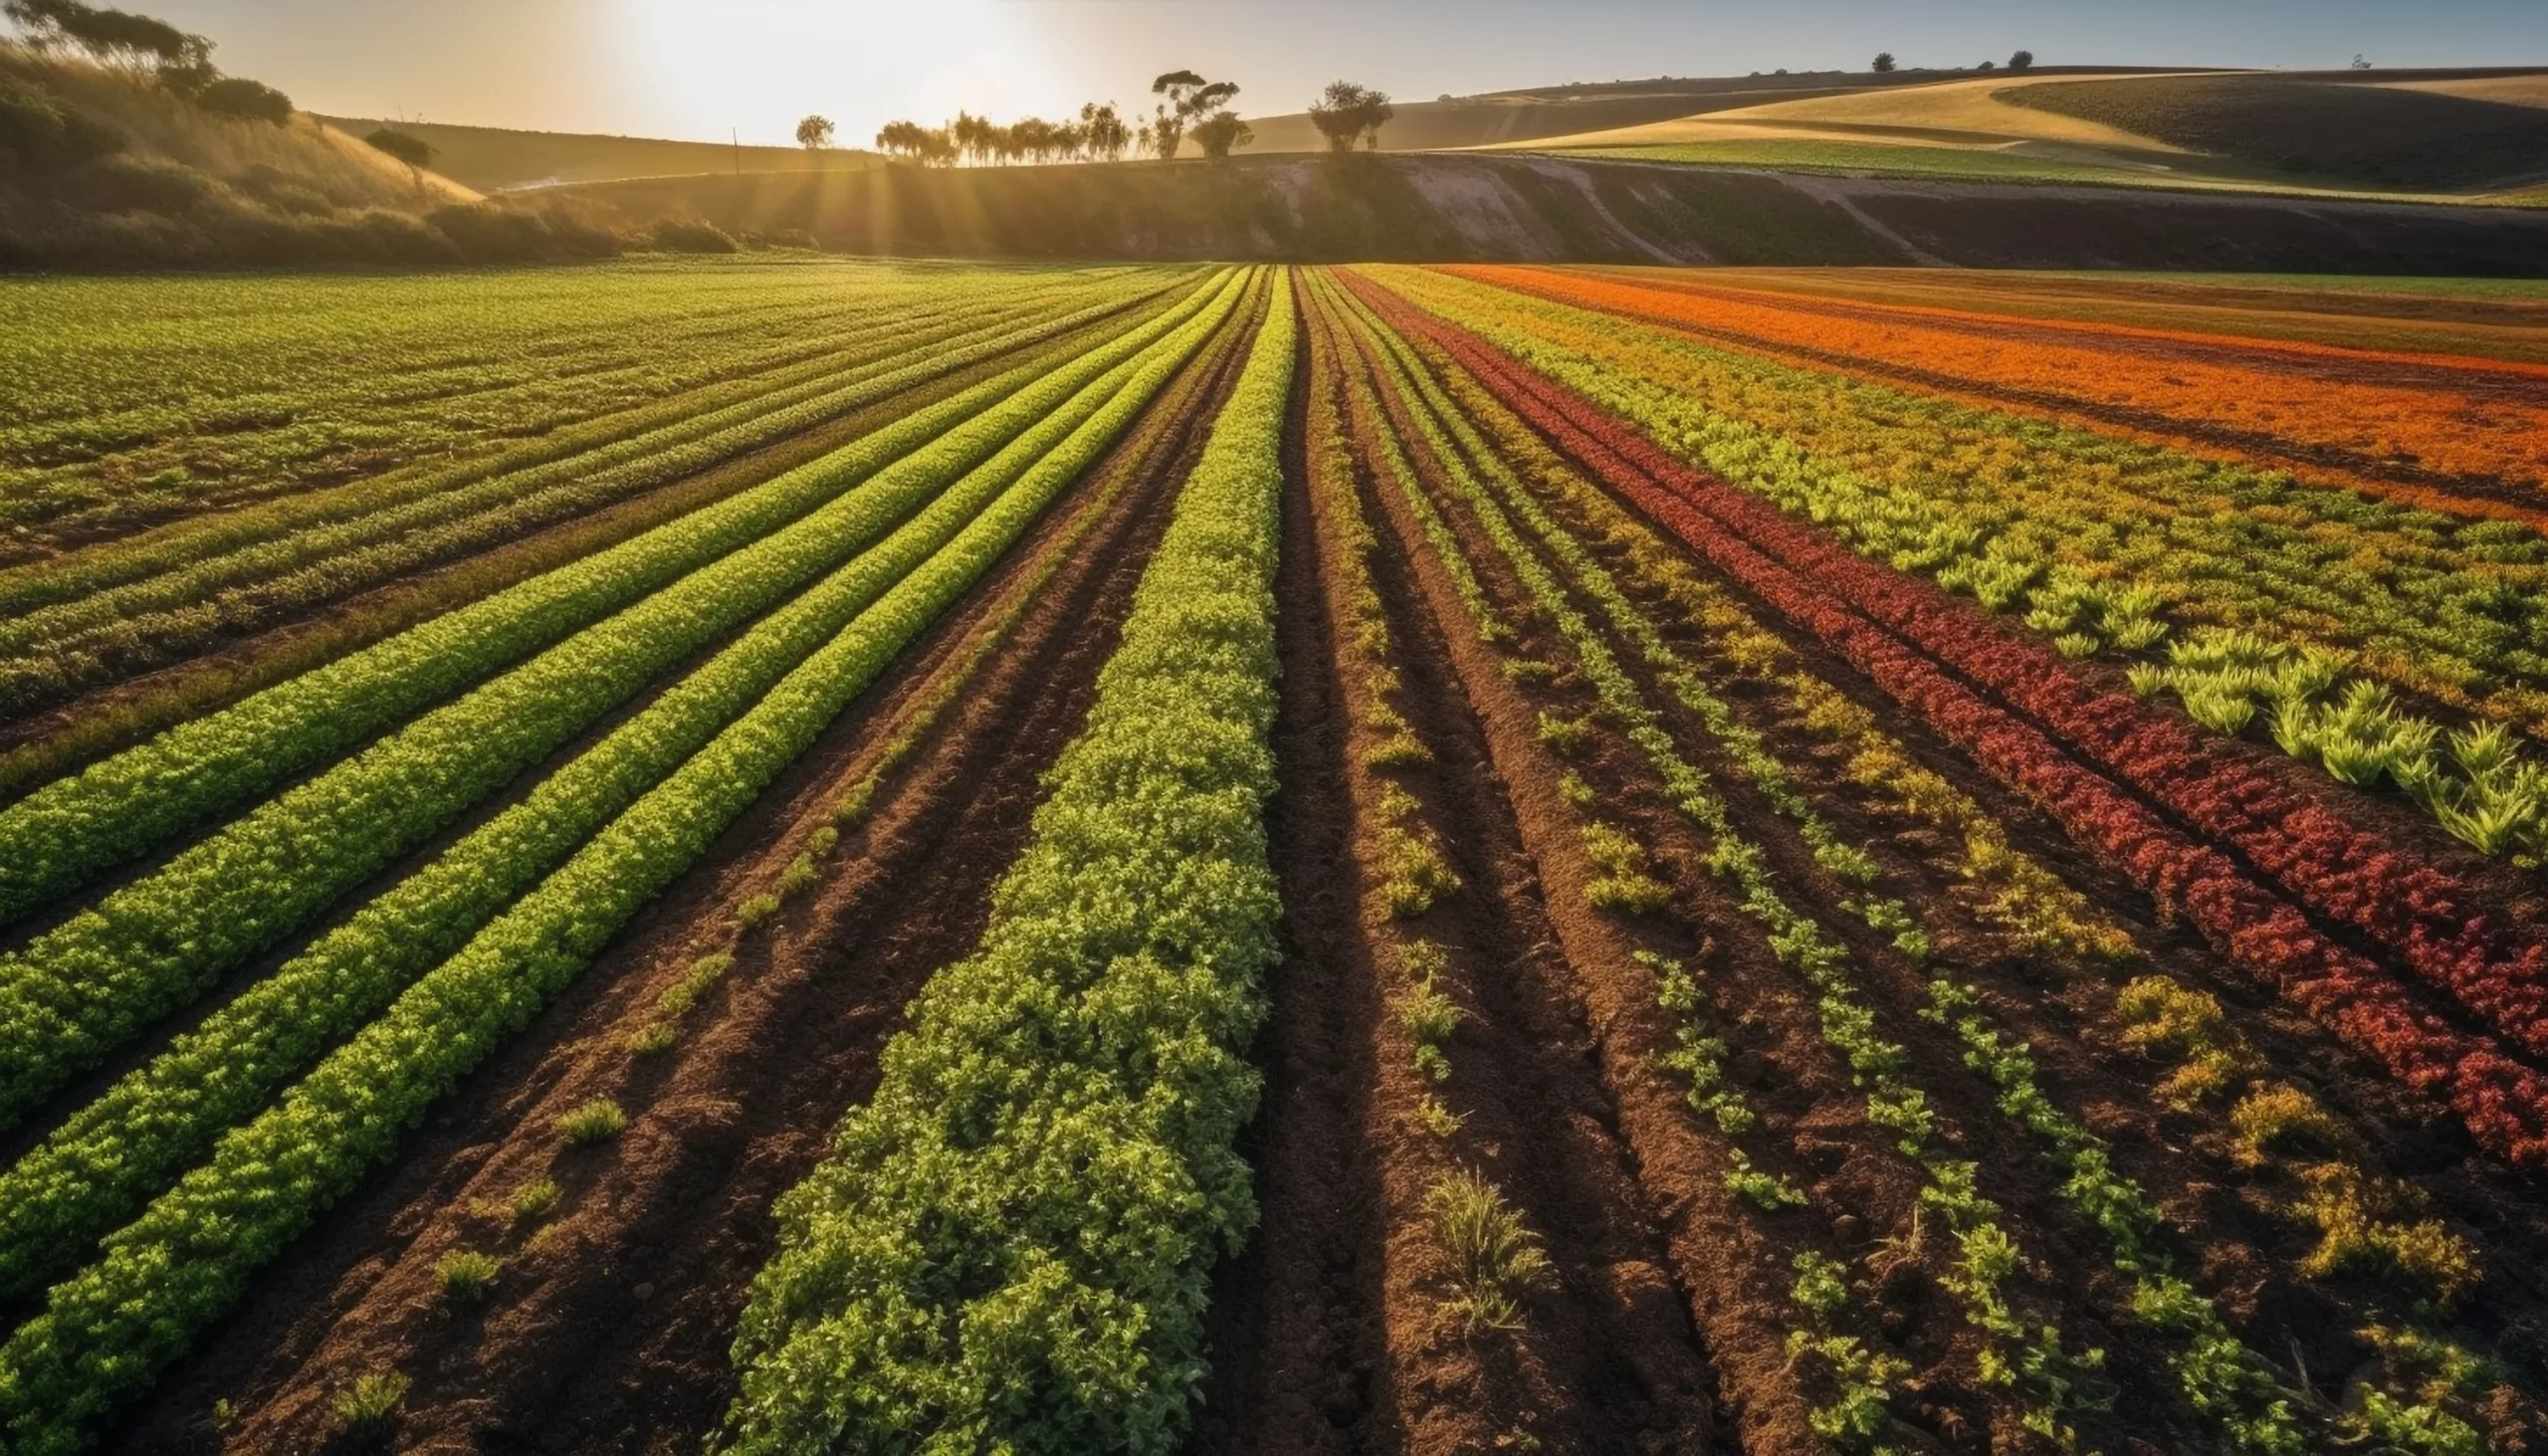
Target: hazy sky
(697, 68)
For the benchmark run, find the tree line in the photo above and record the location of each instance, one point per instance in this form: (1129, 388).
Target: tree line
(1189, 108)
(1884, 64)
(181, 59)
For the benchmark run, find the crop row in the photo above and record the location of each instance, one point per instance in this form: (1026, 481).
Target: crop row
(115, 1151)
(150, 946)
(2088, 536)
(189, 1256)
(2455, 419)
(2499, 805)
(2020, 1353)
(103, 630)
(2504, 1103)
(182, 544)
(2220, 1377)
(1009, 1244)
(2440, 927)
(64, 834)
(191, 392)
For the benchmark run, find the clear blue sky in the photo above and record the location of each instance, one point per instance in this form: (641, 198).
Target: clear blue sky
(697, 68)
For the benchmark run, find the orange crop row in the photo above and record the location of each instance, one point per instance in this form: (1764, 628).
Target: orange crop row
(2485, 423)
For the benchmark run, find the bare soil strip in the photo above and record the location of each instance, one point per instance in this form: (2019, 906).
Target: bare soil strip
(606, 1329)
(1600, 1358)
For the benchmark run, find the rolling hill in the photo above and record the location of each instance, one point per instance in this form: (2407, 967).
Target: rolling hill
(497, 159)
(1485, 205)
(1538, 114)
(2474, 136)
(101, 168)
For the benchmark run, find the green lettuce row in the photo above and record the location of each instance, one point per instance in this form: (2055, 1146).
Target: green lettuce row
(107, 1331)
(879, 360)
(112, 1155)
(30, 590)
(1009, 1246)
(69, 831)
(729, 377)
(151, 946)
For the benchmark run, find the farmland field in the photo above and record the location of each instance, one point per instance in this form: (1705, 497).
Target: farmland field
(783, 855)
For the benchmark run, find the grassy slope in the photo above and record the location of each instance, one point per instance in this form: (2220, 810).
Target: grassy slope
(493, 158)
(2341, 130)
(1291, 207)
(1514, 206)
(164, 128)
(2413, 137)
(1522, 115)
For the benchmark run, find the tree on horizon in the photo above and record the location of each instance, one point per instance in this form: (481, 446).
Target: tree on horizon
(1220, 133)
(1189, 96)
(1347, 114)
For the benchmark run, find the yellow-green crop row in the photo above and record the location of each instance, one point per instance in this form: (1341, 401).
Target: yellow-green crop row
(109, 1329)
(1009, 1245)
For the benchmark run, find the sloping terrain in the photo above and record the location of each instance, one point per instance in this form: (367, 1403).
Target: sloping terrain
(105, 169)
(498, 159)
(1555, 110)
(2442, 133)
(1538, 207)
(2322, 127)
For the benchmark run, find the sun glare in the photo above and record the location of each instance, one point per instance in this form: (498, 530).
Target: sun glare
(756, 66)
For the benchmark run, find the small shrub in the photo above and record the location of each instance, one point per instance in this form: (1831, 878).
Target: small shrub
(2284, 1117)
(689, 235)
(1566, 736)
(131, 184)
(1821, 1291)
(367, 1409)
(755, 910)
(1488, 1254)
(799, 874)
(466, 1275)
(1766, 1192)
(39, 135)
(1436, 1117)
(594, 1121)
(535, 1200)
(1414, 874)
(2356, 1237)
(492, 234)
(1622, 884)
(248, 100)
(1428, 1016)
(653, 1037)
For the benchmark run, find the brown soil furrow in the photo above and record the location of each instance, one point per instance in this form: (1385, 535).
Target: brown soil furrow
(1814, 1131)
(1602, 1359)
(1728, 1270)
(1296, 1328)
(607, 1328)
